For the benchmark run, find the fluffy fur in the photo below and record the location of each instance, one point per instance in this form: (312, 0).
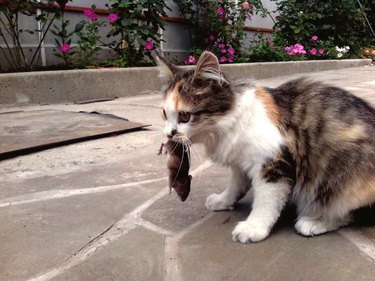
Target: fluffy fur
(304, 141)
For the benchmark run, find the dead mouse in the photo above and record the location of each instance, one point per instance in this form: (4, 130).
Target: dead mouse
(178, 166)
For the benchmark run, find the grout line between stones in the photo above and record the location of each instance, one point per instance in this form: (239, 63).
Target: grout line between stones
(171, 261)
(61, 193)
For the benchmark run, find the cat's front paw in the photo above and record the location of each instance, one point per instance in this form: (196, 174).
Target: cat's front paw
(216, 202)
(246, 232)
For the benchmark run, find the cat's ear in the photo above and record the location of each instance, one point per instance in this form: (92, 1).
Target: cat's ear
(208, 68)
(166, 70)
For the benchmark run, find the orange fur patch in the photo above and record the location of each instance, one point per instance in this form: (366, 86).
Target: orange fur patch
(352, 133)
(174, 95)
(273, 110)
(358, 193)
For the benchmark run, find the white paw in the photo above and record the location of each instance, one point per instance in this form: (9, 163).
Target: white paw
(311, 227)
(215, 202)
(246, 232)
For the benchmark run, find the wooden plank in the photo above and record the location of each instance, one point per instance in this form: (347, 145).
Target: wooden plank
(30, 131)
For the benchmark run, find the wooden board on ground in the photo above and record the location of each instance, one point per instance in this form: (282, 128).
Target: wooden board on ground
(23, 132)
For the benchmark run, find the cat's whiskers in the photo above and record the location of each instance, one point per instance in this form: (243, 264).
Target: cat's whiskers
(157, 126)
(156, 135)
(193, 152)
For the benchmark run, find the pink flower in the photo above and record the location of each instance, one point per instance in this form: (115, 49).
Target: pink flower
(313, 52)
(220, 11)
(271, 43)
(212, 37)
(190, 60)
(223, 59)
(221, 46)
(245, 6)
(90, 14)
(149, 46)
(297, 48)
(289, 51)
(65, 48)
(231, 51)
(314, 38)
(231, 58)
(112, 18)
(321, 51)
(223, 51)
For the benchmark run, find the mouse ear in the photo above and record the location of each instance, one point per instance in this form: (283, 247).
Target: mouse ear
(167, 70)
(208, 68)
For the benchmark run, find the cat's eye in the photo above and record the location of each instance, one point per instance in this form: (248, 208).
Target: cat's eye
(164, 114)
(184, 117)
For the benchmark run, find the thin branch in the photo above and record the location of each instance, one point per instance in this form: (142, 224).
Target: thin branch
(268, 12)
(41, 41)
(6, 57)
(8, 47)
(14, 33)
(4, 24)
(364, 14)
(18, 41)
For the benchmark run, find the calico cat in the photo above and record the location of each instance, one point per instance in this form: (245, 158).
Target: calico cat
(304, 142)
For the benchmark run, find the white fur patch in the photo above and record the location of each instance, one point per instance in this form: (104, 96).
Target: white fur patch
(269, 200)
(246, 135)
(310, 226)
(171, 114)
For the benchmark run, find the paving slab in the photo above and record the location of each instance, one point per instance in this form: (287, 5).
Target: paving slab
(72, 173)
(136, 257)
(207, 253)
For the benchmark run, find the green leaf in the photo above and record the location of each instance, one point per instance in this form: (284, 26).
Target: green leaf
(297, 29)
(79, 26)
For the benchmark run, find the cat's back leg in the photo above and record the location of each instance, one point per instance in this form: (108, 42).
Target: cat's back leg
(319, 218)
(311, 226)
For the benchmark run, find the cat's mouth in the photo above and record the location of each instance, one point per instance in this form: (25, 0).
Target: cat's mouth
(180, 138)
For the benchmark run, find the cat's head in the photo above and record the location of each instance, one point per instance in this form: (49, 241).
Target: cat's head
(194, 100)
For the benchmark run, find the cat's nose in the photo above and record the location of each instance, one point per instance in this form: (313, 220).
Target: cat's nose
(173, 132)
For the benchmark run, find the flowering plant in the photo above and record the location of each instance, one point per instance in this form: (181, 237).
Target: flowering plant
(136, 28)
(88, 38)
(11, 31)
(347, 25)
(341, 52)
(63, 41)
(276, 48)
(218, 25)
